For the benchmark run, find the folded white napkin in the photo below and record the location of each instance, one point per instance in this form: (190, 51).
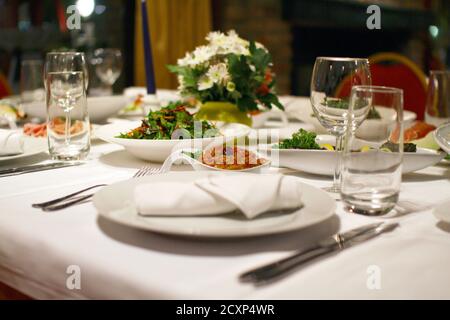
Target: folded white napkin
(252, 194)
(11, 142)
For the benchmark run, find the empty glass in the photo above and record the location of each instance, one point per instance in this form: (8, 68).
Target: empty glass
(372, 169)
(108, 66)
(331, 82)
(437, 109)
(68, 127)
(31, 87)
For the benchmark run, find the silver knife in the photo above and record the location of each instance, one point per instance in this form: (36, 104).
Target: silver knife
(337, 242)
(35, 168)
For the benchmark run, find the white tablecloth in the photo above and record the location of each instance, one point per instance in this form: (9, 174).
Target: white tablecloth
(36, 248)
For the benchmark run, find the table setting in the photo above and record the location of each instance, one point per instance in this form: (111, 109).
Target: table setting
(223, 189)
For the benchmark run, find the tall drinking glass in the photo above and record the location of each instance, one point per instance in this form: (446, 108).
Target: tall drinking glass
(31, 87)
(331, 83)
(68, 127)
(372, 169)
(437, 109)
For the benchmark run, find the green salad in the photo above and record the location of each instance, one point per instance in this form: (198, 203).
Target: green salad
(171, 120)
(300, 140)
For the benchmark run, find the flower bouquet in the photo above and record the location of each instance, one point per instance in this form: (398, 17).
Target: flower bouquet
(231, 78)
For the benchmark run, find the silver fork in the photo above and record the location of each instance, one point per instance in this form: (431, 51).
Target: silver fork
(53, 205)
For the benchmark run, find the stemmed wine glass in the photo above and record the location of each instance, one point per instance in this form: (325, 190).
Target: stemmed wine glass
(108, 66)
(331, 84)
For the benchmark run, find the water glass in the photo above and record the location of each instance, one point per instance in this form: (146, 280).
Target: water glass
(31, 87)
(68, 128)
(332, 79)
(437, 109)
(66, 81)
(372, 169)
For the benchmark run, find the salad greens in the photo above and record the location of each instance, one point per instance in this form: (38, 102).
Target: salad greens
(407, 147)
(165, 123)
(300, 140)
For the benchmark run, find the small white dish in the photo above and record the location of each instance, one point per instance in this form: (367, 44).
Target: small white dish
(200, 166)
(260, 119)
(116, 203)
(442, 211)
(442, 137)
(159, 150)
(322, 162)
(99, 108)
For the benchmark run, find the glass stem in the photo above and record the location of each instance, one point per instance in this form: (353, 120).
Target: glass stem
(338, 166)
(67, 129)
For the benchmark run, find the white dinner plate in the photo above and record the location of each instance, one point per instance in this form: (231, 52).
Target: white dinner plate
(159, 150)
(442, 136)
(442, 211)
(323, 162)
(115, 203)
(99, 108)
(31, 147)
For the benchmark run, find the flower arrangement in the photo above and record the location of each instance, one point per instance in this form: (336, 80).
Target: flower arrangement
(228, 69)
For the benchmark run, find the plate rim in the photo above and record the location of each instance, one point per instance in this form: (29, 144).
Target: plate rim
(438, 139)
(41, 149)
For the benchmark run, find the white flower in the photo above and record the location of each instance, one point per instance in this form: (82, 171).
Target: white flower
(218, 73)
(186, 61)
(202, 54)
(205, 83)
(227, 43)
(181, 83)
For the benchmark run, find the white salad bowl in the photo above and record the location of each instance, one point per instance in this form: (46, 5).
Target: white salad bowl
(159, 150)
(322, 162)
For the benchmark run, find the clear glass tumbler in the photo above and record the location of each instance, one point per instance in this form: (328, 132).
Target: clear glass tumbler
(437, 110)
(68, 127)
(31, 86)
(372, 169)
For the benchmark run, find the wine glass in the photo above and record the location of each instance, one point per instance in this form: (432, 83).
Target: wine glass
(108, 66)
(331, 84)
(66, 83)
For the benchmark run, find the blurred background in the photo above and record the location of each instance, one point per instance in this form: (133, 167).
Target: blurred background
(295, 32)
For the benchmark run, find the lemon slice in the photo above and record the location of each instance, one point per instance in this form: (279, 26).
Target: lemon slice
(223, 111)
(327, 146)
(365, 149)
(7, 110)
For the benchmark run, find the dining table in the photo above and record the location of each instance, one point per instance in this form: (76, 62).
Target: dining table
(40, 252)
